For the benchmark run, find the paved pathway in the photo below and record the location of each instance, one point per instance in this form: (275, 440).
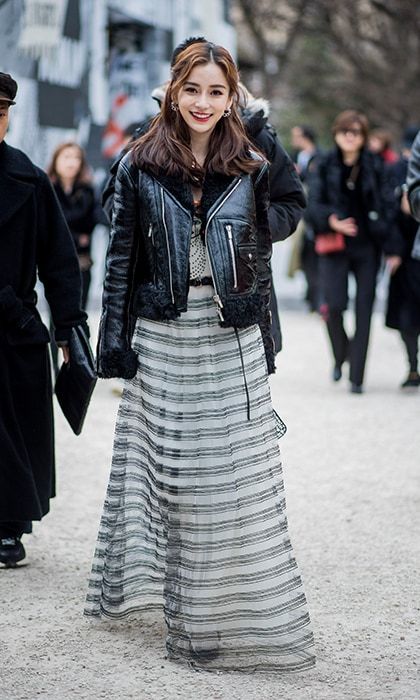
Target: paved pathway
(352, 468)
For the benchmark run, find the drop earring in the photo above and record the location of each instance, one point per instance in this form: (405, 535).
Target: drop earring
(227, 112)
(174, 106)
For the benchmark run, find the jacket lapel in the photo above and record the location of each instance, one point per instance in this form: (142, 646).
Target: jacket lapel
(13, 195)
(17, 178)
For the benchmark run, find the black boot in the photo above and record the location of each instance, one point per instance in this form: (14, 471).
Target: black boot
(11, 551)
(412, 381)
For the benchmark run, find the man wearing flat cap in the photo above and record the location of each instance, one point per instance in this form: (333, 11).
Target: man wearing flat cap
(34, 239)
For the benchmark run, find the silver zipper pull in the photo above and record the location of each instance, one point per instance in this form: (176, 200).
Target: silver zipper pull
(232, 255)
(150, 231)
(218, 301)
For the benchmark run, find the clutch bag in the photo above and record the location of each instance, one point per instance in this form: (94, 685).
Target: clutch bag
(76, 380)
(326, 243)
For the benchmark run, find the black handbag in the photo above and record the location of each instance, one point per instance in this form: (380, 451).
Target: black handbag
(76, 380)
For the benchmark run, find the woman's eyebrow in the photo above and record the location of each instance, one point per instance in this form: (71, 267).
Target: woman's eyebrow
(188, 82)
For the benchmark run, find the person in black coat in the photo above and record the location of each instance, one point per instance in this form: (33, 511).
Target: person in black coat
(287, 198)
(34, 238)
(68, 171)
(349, 195)
(403, 309)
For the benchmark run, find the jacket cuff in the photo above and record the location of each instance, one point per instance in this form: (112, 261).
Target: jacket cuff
(62, 335)
(117, 363)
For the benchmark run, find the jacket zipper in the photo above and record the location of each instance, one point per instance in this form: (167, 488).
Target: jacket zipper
(150, 234)
(216, 296)
(167, 245)
(232, 254)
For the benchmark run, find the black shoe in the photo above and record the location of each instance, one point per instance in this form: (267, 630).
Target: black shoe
(11, 551)
(412, 381)
(356, 388)
(337, 374)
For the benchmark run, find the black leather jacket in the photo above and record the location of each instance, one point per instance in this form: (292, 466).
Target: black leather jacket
(148, 256)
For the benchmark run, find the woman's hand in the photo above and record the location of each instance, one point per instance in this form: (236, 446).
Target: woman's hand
(405, 204)
(348, 226)
(66, 353)
(393, 262)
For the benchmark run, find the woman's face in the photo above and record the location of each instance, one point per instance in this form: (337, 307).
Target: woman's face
(68, 163)
(203, 98)
(350, 139)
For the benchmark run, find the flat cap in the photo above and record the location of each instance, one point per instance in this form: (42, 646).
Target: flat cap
(8, 88)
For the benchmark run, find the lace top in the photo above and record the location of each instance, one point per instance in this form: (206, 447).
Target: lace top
(199, 264)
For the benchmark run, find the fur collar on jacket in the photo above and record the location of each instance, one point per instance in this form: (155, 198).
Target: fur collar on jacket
(213, 187)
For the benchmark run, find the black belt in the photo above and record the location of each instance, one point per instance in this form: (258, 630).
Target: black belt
(201, 282)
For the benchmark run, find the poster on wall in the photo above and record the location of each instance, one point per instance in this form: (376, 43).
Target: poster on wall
(42, 23)
(128, 95)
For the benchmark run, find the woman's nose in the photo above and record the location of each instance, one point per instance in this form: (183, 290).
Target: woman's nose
(202, 100)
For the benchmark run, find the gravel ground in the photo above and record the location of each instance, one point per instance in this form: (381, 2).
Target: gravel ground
(352, 473)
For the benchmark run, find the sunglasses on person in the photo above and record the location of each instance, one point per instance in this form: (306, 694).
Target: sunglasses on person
(351, 131)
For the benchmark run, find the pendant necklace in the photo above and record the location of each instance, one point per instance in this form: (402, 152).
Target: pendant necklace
(351, 180)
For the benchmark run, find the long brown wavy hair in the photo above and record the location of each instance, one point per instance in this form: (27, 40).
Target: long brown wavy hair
(83, 176)
(166, 145)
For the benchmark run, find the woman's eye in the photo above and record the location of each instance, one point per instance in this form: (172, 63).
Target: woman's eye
(189, 89)
(217, 93)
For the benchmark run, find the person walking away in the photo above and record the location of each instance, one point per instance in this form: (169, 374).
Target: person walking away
(194, 519)
(34, 238)
(349, 195)
(403, 307)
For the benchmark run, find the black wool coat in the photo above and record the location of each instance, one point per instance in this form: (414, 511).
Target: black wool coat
(34, 238)
(326, 197)
(403, 307)
(79, 209)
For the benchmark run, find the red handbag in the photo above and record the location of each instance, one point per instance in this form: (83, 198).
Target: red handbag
(326, 243)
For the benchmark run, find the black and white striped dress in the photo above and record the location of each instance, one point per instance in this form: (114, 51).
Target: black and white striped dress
(194, 520)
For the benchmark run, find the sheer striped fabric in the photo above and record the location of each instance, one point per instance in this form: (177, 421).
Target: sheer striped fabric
(194, 521)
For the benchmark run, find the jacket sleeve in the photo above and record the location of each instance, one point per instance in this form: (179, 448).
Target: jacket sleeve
(413, 179)
(264, 250)
(58, 266)
(389, 191)
(287, 197)
(109, 189)
(115, 358)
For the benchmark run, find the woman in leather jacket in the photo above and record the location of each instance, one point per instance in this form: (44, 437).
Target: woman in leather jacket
(194, 519)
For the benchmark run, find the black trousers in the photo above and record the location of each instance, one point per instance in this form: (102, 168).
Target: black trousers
(15, 529)
(363, 262)
(310, 268)
(411, 341)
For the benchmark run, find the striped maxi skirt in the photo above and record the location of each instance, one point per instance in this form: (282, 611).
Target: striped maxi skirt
(194, 519)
